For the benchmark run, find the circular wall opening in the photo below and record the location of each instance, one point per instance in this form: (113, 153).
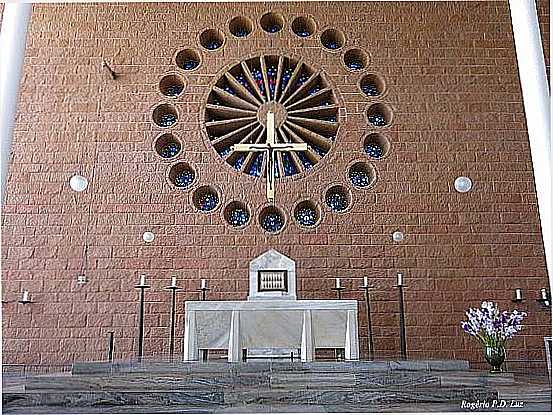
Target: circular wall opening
(205, 198)
(167, 145)
(307, 214)
(271, 22)
(333, 39)
(362, 175)
(240, 26)
(356, 59)
(376, 145)
(237, 214)
(303, 26)
(212, 39)
(338, 198)
(171, 85)
(182, 175)
(271, 219)
(379, 115)
(188, 59)
(165, 115)
(372, 85)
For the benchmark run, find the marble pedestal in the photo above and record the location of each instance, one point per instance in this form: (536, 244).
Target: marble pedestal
(302, 324)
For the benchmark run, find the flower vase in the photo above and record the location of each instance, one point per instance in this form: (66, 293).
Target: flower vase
(495, 356)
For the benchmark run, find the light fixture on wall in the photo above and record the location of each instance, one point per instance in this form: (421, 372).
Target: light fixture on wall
(463, 184)
(545, 298)
(78, 183)
(25, 298)
(148, 236)
(397, 236)
(518, 296)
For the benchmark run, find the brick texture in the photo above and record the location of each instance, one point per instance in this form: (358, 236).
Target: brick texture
(542, 7)
(451, 76)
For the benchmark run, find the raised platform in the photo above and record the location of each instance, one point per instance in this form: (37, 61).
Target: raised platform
(263, 387)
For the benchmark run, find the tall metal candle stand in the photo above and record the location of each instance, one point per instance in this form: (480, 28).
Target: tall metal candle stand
(203, 289)
(338, 288)
(173, 288)
(370, 345)
(142, 286)
(402, 342)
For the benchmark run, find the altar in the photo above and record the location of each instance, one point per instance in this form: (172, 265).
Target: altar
(271, 318)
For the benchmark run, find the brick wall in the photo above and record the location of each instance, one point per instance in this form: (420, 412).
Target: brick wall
(542, 7)
(452, 83)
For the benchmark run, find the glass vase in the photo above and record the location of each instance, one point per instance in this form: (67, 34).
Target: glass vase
(495, 356)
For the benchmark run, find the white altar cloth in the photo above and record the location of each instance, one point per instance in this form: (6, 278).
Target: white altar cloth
(303, 324)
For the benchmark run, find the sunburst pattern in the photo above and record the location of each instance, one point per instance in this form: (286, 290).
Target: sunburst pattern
(304, 104)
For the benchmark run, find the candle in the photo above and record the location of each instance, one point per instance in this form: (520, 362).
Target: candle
(142, 280)
(204, 284)
(365, 282)
(518, 294)
(399, 279)
(25, 296)
(173, 281)
(543, 294)
(338, 283)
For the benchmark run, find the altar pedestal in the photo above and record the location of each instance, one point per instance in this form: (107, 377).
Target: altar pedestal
(302, 324)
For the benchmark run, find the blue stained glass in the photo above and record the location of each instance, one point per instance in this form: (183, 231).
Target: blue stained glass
(285, 78)
(331, 45)
(377, 120)
(314, 89)
(370, 90)
(169, 150)
(241, 32)
(238, 217)
(271, 75)
(273, 28)
(174, 90)
(242, 80)
(214, 44)
(229, 89)
(302, 79)
(336, 201)
(184, 179)
(355, 65)
(166, 120)
(208, 201)
(190, 64)
(289, 166)
(239, 162)
(258, 77)
(332, 118)
(359, 178)
(320, 151)
(305, 161)
(374, 150)
(224, 151)
(272, 222)
(255, 168)
(306, 216)
(303, 33)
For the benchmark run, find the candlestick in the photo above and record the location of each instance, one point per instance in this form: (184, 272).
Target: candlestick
(203, 284)
(173, 281)
(399, 279)
(338, 283)
(365, 282)
(25, 296)
(402, 337)
(173, 287)
(518, 295)
(142, 280)
(142, 286)
(370, 343)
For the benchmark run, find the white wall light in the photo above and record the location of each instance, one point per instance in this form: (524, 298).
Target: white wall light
(148, 236)
(397, 236)
(78, 183)
(463, 184)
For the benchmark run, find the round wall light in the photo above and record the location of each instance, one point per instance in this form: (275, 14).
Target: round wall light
(463, 184)
(148, 236)
(78, 183)
(397, 236)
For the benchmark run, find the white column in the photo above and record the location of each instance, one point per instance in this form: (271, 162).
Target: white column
(535, 91)
(352, 340)
(13, 37)
(307, 347)
(234, 348)
(190, 337)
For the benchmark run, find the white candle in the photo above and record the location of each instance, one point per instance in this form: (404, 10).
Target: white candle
(338, 283)
(399, 279)
(142, 280)
(25, 296)
(365, 282)
(543, 294)
(518, 294)
(173, 281)
(204, 284)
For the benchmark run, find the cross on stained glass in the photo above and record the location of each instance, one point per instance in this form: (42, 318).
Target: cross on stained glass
(270, 147)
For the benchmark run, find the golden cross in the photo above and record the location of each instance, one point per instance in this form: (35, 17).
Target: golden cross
(270, 147)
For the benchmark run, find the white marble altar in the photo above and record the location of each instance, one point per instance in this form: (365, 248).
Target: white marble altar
(271, 318)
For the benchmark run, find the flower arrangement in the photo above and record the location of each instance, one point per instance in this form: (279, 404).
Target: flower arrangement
(493, 328)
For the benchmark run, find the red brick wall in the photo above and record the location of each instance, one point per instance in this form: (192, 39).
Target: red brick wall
(542, 7)
(452, 82)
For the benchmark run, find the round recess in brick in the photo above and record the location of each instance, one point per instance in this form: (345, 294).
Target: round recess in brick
(240, 27)
(379, 115)
(171, 85)
(206, 198)
(212, 39)
(307, 214)
(167, 145)
(271, 22)
(303, 26)
(165, 115)
(182, 175)
(376, 145)
(362, 175)
(356, 59)
(338, 198)
(188, 59)
(333, 39)
(301, 98)
(372, 85)
(272, 219)
(237, 214)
